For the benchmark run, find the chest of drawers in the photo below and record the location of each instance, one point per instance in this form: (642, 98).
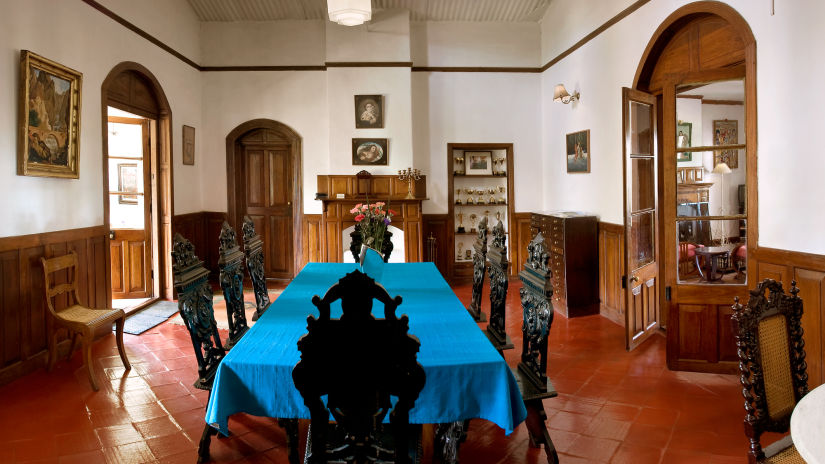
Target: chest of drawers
(572, 239)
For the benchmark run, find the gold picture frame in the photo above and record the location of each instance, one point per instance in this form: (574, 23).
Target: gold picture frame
(188, 145)
(49, 114)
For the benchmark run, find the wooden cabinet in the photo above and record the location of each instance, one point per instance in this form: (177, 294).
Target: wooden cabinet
(574, 259)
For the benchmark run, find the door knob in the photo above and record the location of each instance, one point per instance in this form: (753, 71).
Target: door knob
(111, 235)
(289, 203)
(634, 279)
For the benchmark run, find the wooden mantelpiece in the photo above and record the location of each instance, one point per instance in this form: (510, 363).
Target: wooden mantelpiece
(356, 189)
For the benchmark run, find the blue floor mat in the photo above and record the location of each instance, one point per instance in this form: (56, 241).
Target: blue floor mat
(150, 317)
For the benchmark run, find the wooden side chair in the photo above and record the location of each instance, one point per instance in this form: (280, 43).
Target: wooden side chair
(537, 309)
(479, 269)
(78, 320)
(253, 248)
(499, 282)
(359, 362)
(231, 277)
(772, 366)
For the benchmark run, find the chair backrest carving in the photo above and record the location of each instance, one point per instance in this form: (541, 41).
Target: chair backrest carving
(195, 307)
(253, 248)
(231, 277)
(357, 241)
(499, 281)
(537, 312)
(479, 267)
(359, 362)
(53, 289)
(771, 353)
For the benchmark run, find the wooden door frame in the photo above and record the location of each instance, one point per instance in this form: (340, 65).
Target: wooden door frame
(673, 24)
(161, 156)
(235, 198)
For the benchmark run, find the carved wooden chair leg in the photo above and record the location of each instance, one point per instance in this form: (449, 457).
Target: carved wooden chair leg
(87, 358)
(120, 348)
(537, 429)
(290, 426)
(448, 438)
(206, 440)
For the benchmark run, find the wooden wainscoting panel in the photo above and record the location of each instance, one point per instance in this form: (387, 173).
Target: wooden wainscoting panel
(24, 320)
(812, 291)
(611, 270)
(778, 272)
(519, 241)
(311, 239)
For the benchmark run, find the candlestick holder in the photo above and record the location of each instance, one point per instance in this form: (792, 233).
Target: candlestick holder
(409, 175)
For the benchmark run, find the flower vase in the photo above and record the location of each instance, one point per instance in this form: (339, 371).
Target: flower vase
(372, 262)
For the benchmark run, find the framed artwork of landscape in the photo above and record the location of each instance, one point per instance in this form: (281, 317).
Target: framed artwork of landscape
(49, 132)
(578, 151)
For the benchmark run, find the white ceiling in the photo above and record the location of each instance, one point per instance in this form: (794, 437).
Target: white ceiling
(727, 90)
(420, 10)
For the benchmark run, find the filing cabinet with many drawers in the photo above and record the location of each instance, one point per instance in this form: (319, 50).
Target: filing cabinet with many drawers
(572, 239)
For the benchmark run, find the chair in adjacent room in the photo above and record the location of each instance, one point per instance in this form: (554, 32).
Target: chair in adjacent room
(253, 249)
(687, 258)
(78, 320)
(537, 309)
(772, 366)
(360, 362)
(231, 277)
(739, 258)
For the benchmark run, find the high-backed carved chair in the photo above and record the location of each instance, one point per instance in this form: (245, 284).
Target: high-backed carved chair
(231, 275)
(359, 362)
(78, 320)
(479, 269)
(499, 282)
(772, 366)
(356, 241)
(253, 248)
(537, 317)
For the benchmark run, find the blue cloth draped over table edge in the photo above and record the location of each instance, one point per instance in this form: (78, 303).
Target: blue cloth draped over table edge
(466, 377)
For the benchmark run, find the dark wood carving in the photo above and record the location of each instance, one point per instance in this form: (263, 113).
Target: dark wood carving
(340, 358)
(195, 307)
(357, 241)
(746, 322)
(448, 439)
(537, 310)
(479, 269)
(253, 250)
(231, 276)
(499, 266)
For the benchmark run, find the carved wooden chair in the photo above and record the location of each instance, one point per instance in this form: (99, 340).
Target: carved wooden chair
(499, 282)
(739, 257)
(537, 310)
(359, 362)
(479, 269)
(772, 366)
(254, 252)
(78, 320)
(231, 276)
(356, 241)
(687, 258)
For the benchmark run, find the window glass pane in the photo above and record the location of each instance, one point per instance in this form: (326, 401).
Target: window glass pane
(712, 251)
(125, 140)
(126, 211)
(643, 195)
(703, 191)
(642, 240)
(640, 128)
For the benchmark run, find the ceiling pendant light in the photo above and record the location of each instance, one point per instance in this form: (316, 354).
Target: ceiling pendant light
(349, 12)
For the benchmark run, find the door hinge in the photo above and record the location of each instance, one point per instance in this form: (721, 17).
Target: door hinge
(152, 274)
(667, 293)
(624, 281)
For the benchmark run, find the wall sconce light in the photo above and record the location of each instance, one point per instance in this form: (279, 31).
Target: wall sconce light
(721, 168)
(349, 12)
(560, 95)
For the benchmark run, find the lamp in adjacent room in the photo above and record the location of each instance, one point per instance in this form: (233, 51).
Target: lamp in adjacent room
(349, 12)
(721, 168)
(560, 94)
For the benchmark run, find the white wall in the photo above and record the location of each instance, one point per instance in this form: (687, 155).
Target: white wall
(251, 43)
(78, 36)
(791, 193)
(451, 43)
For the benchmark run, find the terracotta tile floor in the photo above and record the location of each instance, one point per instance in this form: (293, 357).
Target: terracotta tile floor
(613, 406)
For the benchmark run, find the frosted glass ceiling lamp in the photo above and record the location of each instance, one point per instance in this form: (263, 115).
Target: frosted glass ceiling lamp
(721, 168)
(560, 95)
(349, 12)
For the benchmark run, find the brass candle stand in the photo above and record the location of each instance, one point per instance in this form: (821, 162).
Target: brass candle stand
(409, 175)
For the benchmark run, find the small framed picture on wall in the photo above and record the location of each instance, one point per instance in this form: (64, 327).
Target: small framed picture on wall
(578, 151)
(369, 111)
(188, 145)
(370, 152)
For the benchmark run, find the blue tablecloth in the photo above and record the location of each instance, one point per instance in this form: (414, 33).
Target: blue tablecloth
(466, 377)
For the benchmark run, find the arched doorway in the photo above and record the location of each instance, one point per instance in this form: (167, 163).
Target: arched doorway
(705, 220)
(131, 88)
(263, 175)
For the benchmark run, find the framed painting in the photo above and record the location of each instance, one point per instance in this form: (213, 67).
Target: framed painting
(369, 111)
(370, 152)
(478, 163)
(188, 145)
(127, 181)
(683, 133)
(49, 118)
(726, 132)
(578, 151)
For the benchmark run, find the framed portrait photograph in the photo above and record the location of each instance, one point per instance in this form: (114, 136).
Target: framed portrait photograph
(578, 151)
(478, 163)
(726, 132)
(369, 111)
(49, 132)
(188, 145)
(370, 152)
(683, 133)
(127, 181)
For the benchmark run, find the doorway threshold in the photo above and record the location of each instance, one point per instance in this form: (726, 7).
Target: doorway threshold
(131, 305)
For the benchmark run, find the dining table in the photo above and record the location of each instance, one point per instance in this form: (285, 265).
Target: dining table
(466, 378)
(808, 426)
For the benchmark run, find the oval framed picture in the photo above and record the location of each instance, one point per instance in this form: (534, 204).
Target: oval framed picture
(370, 152)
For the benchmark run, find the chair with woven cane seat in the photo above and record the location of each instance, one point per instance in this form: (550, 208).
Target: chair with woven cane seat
(79, 320)
(772, 366)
